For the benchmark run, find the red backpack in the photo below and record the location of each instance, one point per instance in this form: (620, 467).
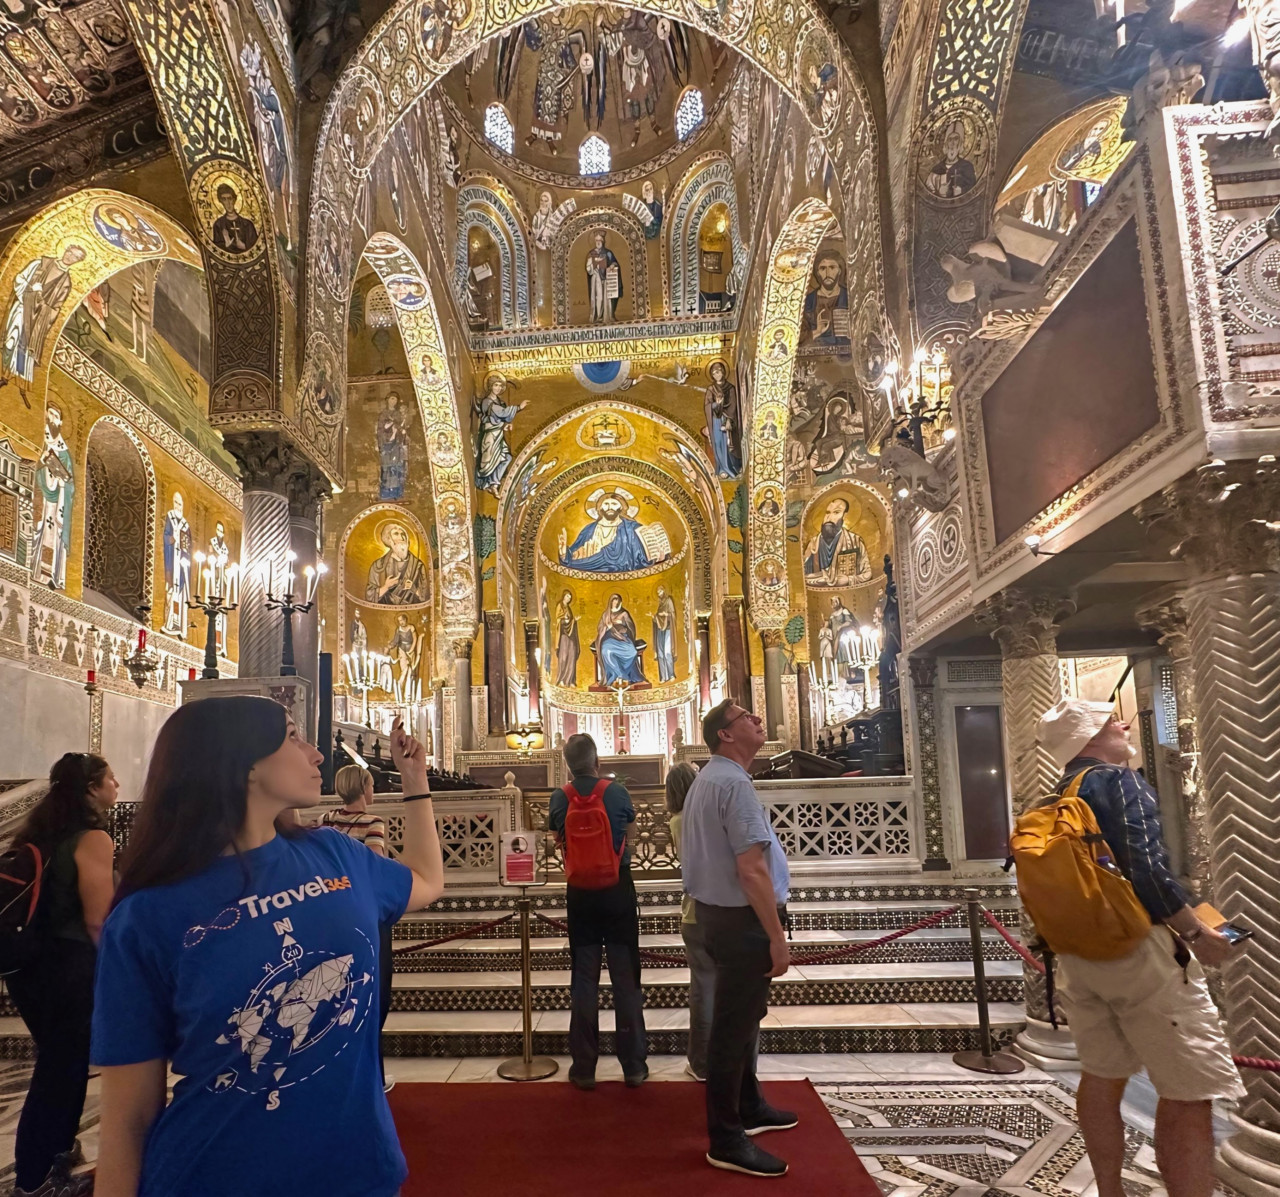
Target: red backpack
(589, 859)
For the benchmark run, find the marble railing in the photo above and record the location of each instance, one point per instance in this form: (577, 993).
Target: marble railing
(826, 827)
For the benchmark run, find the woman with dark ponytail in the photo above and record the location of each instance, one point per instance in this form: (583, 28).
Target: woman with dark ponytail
(243, 951)
(54, 993)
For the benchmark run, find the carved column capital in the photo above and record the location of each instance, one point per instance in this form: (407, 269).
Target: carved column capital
(772, 638)
(266, 459)
(924, 673)
(494, 621)
(1167, 615)
(306, 488)
(1220, 519)
(702, 623)
(461, 649)
(1024, 622)
(532, 630)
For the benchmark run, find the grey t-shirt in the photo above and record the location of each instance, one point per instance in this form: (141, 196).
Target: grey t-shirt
(723, 818)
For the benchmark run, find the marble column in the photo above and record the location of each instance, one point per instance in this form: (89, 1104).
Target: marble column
(736, 663)
(1025, 625)
(704, 662)
(775, 661)
(495, 671)
(463, 724)
(1221, 522)
(1168, 617)
(924, 677)
(306, 489)
(804, 701)
(533, 669)
(266, 463)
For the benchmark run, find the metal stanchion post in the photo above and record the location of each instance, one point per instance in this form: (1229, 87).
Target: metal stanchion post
(985, 1060)
(527, 1067)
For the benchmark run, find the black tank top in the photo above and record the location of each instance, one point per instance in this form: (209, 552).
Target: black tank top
(61, 892)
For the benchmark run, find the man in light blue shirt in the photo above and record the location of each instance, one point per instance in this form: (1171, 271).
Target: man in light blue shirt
(736, 871)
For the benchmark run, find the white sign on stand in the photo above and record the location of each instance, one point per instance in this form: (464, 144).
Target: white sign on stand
(518, 858)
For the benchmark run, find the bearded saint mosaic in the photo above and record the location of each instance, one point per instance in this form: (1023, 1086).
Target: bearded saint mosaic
(614, 541)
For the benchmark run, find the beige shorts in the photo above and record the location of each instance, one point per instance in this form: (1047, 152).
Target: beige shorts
(1145, 1011)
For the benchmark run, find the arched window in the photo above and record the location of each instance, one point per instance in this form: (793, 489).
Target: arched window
(498, 128)
(593, 156)
(689, 112)
(117, 507)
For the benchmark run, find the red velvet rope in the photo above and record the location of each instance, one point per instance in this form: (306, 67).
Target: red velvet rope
(1260, 1063)
(1013, 943)
(465, 933)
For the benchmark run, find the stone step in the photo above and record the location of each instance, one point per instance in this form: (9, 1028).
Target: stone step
(889, 1027)
(668, 988)
(552, 951)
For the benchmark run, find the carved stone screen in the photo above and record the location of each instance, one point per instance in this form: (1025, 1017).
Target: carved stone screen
(1080, 390)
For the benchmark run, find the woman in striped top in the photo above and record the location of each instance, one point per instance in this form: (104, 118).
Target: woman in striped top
(354, 785)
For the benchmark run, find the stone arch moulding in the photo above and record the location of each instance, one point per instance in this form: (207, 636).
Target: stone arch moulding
(790, 262)
(971, 49)
(614, 220)
(396, 67)
(483, 206)
(419, 325)
(401, 512)
(692, 514)
(69, 248)
(148, 468)
(707, 486)
(709, 181)
(186, 57)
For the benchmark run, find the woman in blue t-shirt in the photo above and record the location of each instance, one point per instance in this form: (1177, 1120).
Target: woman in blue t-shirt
(245, 959)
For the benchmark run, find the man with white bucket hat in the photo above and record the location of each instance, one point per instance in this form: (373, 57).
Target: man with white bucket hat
(1151, 1008)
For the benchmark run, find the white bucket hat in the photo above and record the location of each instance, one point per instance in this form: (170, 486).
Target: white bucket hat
(1068, 726)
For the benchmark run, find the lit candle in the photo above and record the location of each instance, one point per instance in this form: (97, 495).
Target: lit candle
(142, 640)
(233, 584)
(191, 673)
(310, 574)
(93, 676)
(207, 575)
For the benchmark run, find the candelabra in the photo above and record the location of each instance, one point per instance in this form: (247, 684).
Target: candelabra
(217, 595)
(365, 672)
(142, 662)
(857, 647)
(280, 583)
(916, 399)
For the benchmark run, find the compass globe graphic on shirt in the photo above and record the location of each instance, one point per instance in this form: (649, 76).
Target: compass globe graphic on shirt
(306, 1010)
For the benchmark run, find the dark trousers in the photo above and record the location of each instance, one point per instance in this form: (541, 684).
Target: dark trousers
(628, 1008)
(605, 924)
(739, 947)
(54, 995)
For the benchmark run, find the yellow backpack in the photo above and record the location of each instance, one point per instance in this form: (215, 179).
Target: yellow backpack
(1080, 907)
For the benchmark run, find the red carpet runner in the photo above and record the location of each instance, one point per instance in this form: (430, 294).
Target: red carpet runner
(550, 1140)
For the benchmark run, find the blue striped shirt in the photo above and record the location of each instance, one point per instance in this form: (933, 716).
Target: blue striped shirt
(1115, 793)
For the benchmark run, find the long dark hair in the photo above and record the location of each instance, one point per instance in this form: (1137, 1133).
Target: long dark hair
(197, 788)
(67, 807)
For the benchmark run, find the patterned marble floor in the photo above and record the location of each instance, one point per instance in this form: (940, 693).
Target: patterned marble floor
(923, 1126)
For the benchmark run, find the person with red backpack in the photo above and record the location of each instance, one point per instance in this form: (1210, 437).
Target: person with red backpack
(592, 817)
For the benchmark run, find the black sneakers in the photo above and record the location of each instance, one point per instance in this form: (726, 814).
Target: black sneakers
(585, 1083)
(746, 1157)
(771, 1119)
(636, 1079)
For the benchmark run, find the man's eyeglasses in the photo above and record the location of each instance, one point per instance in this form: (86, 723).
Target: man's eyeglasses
(734, 720)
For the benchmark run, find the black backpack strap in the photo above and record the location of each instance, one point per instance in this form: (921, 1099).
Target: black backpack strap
(1048, 988)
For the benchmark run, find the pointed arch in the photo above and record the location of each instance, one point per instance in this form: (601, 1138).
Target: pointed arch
(61, 254)
(419, 325)
(790, 262)
(796, 45)
(119, 514)
(489, 206)
(617, 221)
(709, 181)
(194, 79)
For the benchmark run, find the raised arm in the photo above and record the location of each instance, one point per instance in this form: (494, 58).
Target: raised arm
(421, 850)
